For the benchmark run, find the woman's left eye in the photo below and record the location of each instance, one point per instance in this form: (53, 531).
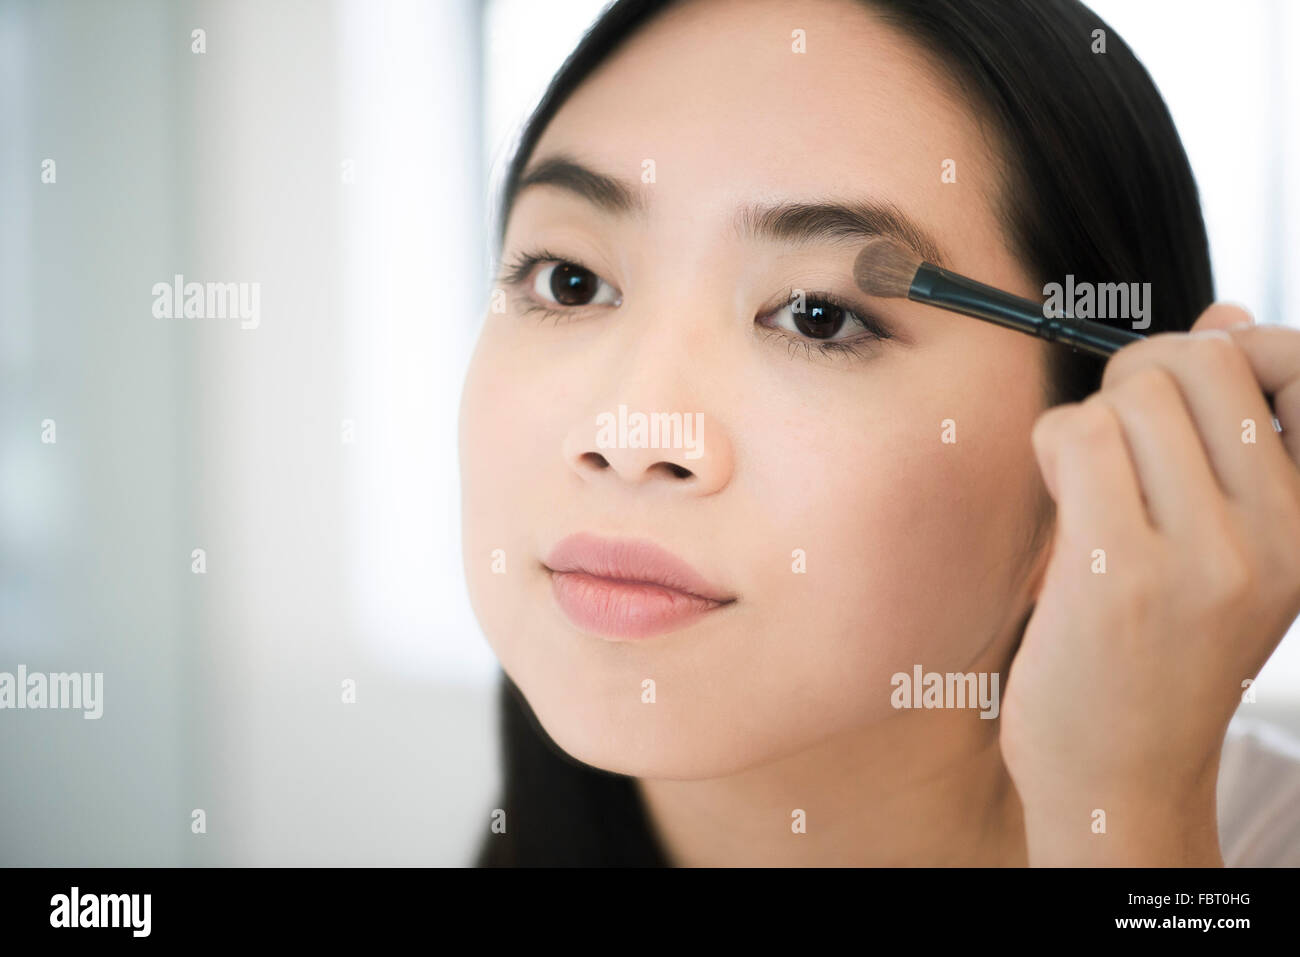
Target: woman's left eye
(822, 319)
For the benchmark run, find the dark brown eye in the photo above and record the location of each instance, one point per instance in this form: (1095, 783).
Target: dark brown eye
(819, 320)
(568, 284)
(572, 285)
(824, 319)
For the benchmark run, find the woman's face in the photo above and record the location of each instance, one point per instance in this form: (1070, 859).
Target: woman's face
(868, 505)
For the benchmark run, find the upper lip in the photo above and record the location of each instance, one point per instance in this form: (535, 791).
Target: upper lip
(633, 561)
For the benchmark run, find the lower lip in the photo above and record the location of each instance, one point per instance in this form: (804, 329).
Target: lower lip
(620, 609)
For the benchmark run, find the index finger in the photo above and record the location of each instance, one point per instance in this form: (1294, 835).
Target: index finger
(1274, 355)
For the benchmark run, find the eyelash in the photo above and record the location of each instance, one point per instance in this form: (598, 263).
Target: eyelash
(873, 330)
(515, 272)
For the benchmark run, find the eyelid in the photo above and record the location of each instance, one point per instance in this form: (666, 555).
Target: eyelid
(864, 318)
(519, 269)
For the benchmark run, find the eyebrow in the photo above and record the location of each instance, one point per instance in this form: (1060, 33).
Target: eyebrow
(792, 222)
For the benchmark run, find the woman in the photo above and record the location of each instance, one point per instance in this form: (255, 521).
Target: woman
(720, 637)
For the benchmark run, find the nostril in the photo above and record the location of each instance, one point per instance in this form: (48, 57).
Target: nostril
(676, 470)
(594, 459)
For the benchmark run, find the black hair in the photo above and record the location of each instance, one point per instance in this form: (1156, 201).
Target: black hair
(1096, 184)
(559, 811)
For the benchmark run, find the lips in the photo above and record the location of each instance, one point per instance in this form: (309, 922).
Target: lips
(622, 588)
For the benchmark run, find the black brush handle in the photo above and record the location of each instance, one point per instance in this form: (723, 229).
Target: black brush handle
(948, 290)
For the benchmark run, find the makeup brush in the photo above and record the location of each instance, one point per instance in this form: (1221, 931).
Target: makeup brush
(889, 270)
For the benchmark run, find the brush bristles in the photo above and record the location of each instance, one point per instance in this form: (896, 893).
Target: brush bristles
(885, 269)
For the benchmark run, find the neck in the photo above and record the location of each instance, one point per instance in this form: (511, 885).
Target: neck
(924, 788)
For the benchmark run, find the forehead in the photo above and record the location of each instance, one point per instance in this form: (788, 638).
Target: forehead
(713, 92)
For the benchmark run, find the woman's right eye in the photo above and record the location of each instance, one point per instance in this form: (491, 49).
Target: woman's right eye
(568, 284)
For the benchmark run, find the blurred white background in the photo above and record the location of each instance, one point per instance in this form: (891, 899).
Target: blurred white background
(344, 155)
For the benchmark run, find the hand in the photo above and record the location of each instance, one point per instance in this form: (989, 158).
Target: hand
(1174, 573)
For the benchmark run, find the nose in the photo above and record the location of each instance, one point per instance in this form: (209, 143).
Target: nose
(683, 450)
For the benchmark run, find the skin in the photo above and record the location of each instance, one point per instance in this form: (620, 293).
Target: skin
(918, 551)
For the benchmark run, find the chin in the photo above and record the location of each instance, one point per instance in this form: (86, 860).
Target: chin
(681, 736)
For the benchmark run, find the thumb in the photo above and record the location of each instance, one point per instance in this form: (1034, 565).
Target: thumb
(1044, 439)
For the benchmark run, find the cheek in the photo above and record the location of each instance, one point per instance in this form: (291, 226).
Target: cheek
(511, 405)
(499, 450)
(515, 411)
(914, 545)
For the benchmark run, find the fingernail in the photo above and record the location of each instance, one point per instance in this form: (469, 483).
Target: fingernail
(1211, 333)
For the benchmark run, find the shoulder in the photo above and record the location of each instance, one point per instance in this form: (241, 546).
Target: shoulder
(1259, 796)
